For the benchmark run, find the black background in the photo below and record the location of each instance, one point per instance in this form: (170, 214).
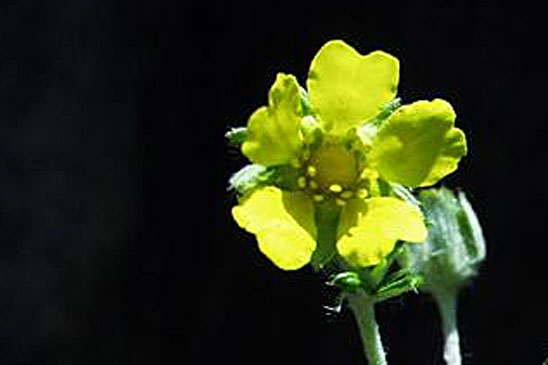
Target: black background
(116, 241)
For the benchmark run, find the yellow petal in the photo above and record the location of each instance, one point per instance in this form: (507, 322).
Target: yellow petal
(369, 229)
(346, 88)
(283, 223)
(273, 136)
(418, 145)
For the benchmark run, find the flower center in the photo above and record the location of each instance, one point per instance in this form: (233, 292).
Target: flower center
(331, 172)
(335, 165)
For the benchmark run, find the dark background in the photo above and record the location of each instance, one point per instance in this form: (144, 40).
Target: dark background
(116, 242)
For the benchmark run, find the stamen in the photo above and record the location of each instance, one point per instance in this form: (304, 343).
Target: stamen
(318, 198)
(347, 194)
(335, 188)
(340, 202)
(312, 184)
(301, 182)
(295, 163)
(311, 170)
(362, 193)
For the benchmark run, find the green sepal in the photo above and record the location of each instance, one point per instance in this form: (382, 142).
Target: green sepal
(398, 191)
(236, 136)
(386, 111)
(378, 272)
(385, 188)
(327, 220)
(306, 109)
(312, 132)
(366, 134)
(405, 194)
(285, 177)
(347, 281)
(368, 131)
(254, 176)
(249, 178)
(396, 288)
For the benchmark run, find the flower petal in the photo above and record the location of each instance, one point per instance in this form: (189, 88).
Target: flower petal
(369, 229)
(273, 136)
(346, 88)
(418, 144)
(283, 223)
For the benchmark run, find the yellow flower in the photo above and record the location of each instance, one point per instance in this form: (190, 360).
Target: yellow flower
(336, 159)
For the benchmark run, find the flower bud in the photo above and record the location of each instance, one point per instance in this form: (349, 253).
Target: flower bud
(455, 246)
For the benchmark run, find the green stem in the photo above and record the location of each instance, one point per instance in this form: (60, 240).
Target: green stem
(362, 306)
(447, 305)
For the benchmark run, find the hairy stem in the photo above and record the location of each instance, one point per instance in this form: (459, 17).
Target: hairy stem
(447, 305)
(363, 308)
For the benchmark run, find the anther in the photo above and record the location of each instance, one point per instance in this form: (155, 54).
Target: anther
(295, 163)
(312, 184)
(340, 202)
(311, 170)
(318, 198)
(301, 182)
(347, 194)
(335, 188)
(362, 193)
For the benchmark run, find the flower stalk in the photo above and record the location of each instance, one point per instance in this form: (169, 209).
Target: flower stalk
(362, 306)
(447, 306)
